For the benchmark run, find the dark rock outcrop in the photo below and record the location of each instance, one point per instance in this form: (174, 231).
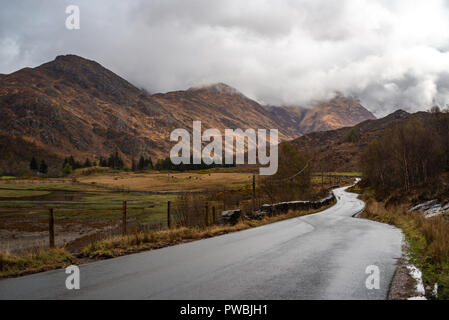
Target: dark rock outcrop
(230, 217)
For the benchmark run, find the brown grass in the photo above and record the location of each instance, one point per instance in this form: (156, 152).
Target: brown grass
(428, 239)
(21, 263)
(435, 230)
(233, 187)
(155, 181)
(121, 245)
(36, 261)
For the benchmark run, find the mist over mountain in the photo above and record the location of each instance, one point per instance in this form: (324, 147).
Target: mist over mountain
(75, 106)
(389, 54)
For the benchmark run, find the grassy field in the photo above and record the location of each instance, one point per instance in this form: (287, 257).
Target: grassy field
(43, 185)
(333, 178)
(348, 174)
(86, 208)
(83, 210)
(95, 202)
(79, 211)
(5, 193)
(7, 177)
(169, 182)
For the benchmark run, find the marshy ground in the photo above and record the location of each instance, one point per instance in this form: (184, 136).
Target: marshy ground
(83, 207)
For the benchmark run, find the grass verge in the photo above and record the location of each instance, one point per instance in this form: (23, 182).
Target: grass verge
(31, 262)
(122, 245)
(428, 242)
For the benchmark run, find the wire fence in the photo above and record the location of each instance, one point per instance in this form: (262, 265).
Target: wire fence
(28, 224)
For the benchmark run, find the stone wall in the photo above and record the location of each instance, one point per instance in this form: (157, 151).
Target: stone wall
(284, 207)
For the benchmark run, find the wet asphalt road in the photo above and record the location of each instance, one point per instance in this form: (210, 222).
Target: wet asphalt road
(319, 256)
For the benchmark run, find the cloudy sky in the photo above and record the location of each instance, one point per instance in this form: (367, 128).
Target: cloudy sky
(389, 53)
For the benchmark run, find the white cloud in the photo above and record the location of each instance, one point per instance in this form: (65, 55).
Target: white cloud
(389, 53)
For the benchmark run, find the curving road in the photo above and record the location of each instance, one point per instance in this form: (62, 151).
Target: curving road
(319, 256)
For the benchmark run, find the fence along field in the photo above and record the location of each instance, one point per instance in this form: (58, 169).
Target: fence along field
(25, 224)
(84, 212)
(43, 213)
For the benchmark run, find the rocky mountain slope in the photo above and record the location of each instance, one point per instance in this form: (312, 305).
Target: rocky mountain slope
(75, 106)
(340, 149)
(336, 113)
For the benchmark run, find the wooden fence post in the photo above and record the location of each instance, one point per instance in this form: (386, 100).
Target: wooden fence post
(168, 215)
(254, 193)
(214, 218)
(206, 215)
(51, 227)
(124, 218)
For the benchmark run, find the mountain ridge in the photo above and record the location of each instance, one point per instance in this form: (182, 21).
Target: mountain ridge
(339, 150)
(75, 106)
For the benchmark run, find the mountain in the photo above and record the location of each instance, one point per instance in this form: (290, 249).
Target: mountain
(219, 106)
(340, 149)
(333, 114)
(288, 118)
(75, 106)
(326, 115)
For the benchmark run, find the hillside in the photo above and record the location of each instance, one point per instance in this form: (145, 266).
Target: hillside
(75, 106)
(340, 150)
(219, 106)
(336, 113)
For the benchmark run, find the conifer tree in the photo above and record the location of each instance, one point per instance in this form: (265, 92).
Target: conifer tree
(33, 164)
(43, 168)
(141, 164)
(133, 165)
(87, 163)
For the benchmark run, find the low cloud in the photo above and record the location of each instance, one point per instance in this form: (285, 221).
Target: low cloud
(390, 54)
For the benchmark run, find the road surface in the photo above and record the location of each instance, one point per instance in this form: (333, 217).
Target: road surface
(319, 256)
